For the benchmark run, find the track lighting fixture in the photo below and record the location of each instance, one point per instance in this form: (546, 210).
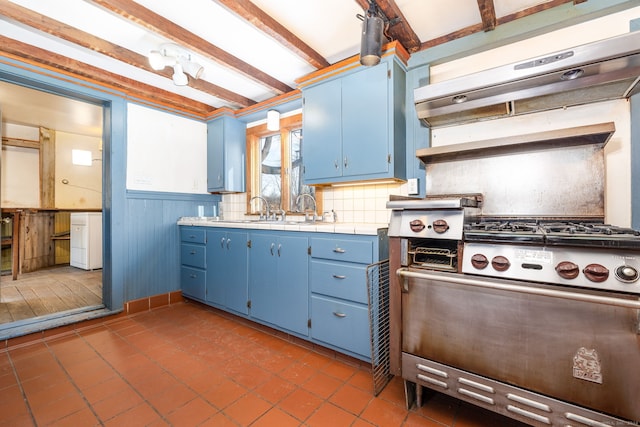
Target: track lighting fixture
(172, 55)
(372, 37)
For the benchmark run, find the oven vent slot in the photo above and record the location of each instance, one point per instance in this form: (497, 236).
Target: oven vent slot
(434, 258)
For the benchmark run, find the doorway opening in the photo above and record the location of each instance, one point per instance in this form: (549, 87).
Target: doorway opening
(43, 250)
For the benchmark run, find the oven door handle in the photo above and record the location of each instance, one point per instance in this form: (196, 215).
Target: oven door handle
(404, 273)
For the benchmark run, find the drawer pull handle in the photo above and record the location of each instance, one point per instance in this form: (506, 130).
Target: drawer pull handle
(339, 250)
(338, 314)
(193, 276)
(339, 276)
(192, 252)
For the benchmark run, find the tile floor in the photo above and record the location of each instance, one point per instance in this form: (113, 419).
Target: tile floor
(188, 365)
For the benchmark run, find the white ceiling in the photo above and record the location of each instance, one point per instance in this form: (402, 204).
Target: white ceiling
(329, 27)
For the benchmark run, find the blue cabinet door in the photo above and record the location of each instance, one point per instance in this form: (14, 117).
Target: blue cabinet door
(227, 284)
(235, 272)
(216, 255)
(278, 281)
(366, 142)
(226, 148)
(293, 282)
(322, 127)
(263, 291)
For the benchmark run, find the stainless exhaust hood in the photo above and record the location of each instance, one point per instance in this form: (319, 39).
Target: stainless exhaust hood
(607, 69)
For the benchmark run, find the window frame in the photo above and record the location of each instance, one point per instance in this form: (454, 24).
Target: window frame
(287, 124)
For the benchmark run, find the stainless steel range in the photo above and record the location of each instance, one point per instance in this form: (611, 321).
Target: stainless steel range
(533, 318)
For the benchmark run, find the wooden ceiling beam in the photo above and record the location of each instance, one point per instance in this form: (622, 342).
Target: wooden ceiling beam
(400, 29)
(158, 24)
(472, 29)
(265, 23)
(487, 14)
(58, 29)
(16, 49)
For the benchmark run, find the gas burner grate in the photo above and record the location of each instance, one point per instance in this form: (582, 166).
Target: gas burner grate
(589, 229)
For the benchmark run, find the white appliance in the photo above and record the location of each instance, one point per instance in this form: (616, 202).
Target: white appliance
(86, 240)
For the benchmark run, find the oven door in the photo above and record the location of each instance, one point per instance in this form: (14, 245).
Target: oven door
(576, 346)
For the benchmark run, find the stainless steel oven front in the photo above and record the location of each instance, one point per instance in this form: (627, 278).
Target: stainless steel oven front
(542, 354)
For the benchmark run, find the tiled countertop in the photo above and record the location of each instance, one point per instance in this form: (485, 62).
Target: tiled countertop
(318, 227)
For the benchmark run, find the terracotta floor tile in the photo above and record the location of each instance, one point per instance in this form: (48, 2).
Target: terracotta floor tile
(188, 365)
(351, 399)
(300, 403)
(116, 404)
(219, 420)
(416, 420)
(8, 379)
(339, 370)
(298, 373)
(322, 385)
(362, 379)
(330, 415)
(84, 418)
(70, 404)
(276, 418)
(381, 412)
(223, 394)
(171, 399)
(12, 404)
(275, 389)
(140, 415)
(192, 413)
(247, 409)
(46, 396)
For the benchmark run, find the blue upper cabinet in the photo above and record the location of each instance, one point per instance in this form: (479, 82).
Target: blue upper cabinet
(354, 123)
(226, 148)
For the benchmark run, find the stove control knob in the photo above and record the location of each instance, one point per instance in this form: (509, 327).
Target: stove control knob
(440, 226)
(479, 261)
(500, 263)
(567, 270)
(596, 273)
(416, 225)
(627, 274)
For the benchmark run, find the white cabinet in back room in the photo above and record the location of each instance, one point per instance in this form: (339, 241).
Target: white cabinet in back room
(86, 240)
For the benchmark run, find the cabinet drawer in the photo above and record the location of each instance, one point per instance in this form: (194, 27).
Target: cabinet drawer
(346, 281)
(193, 282)
(192, 255)
(341, 324)
(193, 235)
(350, 250)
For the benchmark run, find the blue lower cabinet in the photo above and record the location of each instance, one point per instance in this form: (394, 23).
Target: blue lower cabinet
(192, 262)
(341, 324)
(279, 280)
(192, 281)
(227, 269)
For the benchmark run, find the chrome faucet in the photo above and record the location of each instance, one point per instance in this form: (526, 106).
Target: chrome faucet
(266, 204)
(315, 213)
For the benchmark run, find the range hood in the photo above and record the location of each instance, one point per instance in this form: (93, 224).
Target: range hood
(604, 70)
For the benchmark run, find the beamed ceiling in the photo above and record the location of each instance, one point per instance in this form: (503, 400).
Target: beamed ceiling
(252, 51)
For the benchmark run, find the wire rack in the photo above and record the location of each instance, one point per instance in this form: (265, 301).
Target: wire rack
(378, 291)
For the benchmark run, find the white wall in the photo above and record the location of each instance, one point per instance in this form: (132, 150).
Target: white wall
(20, 169)
(84, 183)
(165, 152)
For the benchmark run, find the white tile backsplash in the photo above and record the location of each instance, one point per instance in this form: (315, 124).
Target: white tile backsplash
(358, 203)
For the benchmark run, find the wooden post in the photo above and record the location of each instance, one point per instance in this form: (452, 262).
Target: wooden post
(15, 246)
